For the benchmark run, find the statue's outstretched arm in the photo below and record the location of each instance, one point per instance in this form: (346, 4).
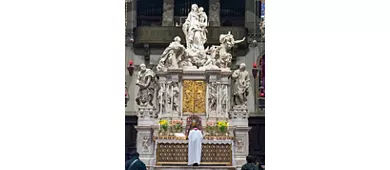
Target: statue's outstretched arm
(239, 41)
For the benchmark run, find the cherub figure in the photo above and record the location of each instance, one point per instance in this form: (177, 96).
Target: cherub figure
(145, 143)
(203, 23)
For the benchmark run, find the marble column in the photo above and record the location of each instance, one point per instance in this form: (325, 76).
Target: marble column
(250, 15)
(214, 13)
(131, 14)
(168, 13)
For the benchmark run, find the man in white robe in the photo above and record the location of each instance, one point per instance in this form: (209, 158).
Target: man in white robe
(194, 147)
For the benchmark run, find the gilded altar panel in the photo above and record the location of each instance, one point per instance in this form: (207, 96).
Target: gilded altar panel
(200, 97)
(194, 96)
(188, 91)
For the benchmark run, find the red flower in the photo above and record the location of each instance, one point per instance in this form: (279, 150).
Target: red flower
(130, 62)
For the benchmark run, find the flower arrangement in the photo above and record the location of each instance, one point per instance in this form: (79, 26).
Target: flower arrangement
(210, 126)
(222, 126)
(177, 125)
(163, 124)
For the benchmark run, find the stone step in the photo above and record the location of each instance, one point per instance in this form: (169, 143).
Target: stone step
(192, 168)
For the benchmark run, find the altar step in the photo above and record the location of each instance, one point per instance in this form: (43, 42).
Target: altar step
(193, 168)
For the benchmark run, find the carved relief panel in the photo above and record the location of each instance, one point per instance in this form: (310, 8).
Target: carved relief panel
(144, 143)
(161, 99)
(239, 142)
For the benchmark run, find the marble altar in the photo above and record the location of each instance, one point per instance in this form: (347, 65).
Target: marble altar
(193, 83)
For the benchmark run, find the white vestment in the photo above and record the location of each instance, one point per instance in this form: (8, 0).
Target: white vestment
(194, 146)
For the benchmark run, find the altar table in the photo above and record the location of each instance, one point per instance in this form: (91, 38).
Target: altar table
(175, 152)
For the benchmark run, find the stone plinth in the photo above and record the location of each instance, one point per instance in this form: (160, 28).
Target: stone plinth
(145, 144)
(241, 145)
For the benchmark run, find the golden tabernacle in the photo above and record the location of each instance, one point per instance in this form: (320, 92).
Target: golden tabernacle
(194, 96)
(175, 152)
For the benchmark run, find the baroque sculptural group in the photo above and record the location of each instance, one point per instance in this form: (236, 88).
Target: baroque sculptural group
(195, 55)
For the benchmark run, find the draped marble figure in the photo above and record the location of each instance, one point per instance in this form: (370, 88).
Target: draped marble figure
(194, 146)
(194, 28)
(227, 42)
(241, 86)
(146, 83)
(172, 55)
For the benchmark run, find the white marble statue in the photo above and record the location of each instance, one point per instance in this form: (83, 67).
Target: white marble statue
(146, 83)
(212, 99)
(222, 96)
(203, 22)
(211, 55)
(172, 55)
(241, 86)
(194, 28)
(175, 95)
(194, 55)
(227, 42)
(161, 98)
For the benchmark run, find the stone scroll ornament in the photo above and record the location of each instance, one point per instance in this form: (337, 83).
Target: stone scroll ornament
(146, 82)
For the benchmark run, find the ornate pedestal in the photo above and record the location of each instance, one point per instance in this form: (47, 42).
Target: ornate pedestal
(145, 146)
(241, 145)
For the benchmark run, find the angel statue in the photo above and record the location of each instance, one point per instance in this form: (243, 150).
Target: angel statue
(227, 42)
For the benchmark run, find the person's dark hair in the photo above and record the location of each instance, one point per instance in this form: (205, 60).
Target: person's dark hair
(134, 153)
(249, 159)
